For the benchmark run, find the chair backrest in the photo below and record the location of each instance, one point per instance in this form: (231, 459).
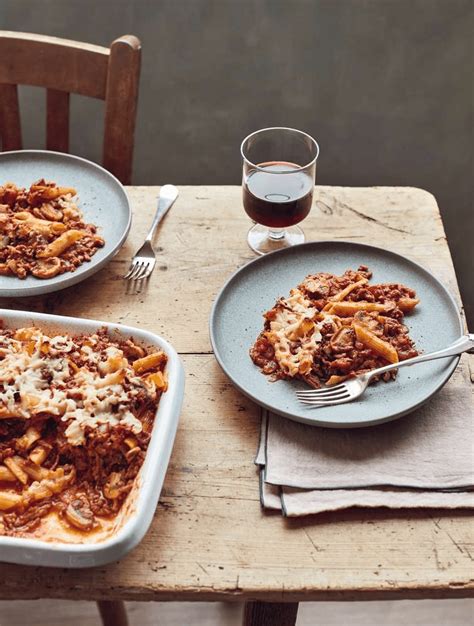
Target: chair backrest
(62, 67)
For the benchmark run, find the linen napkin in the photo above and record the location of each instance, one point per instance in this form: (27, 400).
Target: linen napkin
(424, 459)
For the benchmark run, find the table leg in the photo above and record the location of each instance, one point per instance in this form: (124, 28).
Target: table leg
(270, 613)
(112, 612)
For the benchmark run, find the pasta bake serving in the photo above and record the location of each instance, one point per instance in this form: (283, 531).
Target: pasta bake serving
(76, 415)
(333, 327)
(42, 231)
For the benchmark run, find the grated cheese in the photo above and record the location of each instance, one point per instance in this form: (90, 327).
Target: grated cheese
(294, 327)
(44, 382)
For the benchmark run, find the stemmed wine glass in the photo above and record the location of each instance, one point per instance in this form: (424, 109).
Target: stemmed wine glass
(279, 170)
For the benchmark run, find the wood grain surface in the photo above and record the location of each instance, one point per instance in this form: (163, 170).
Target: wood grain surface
(57, 120)
(121, 106)
(53, 63)
(210, 540)
(10, 122)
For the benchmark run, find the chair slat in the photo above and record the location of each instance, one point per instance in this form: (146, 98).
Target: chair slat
(121, 106)
(53, 63)
(57, 120)
(10, 124)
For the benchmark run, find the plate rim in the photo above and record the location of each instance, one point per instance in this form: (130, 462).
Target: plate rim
(73, 278)
(453, 363)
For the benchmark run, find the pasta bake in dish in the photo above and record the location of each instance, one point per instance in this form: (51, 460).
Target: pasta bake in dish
(76, 415)
(333, 327)
(42, 231)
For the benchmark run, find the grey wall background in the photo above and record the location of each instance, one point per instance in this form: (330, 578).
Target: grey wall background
(384, 85)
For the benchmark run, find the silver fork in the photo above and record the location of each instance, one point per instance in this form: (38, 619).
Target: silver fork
(143, 263)
(355, 387)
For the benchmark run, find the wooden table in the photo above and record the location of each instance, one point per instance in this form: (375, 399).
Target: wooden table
(210, 540)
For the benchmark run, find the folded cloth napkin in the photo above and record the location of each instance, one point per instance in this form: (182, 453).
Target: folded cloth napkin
(425, 459)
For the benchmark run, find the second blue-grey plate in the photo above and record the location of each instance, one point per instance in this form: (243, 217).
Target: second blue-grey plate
(236, 320)
(100, 197)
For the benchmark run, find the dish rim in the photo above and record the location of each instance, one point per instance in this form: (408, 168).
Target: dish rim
(321, 422)
(68, 278)
(133, 529)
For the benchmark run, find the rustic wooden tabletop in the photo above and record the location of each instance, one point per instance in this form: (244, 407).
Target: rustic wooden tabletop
(210, 540)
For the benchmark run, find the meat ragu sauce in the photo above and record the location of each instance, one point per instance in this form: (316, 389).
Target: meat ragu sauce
(76, 414)
(42, 231)
(333, 327)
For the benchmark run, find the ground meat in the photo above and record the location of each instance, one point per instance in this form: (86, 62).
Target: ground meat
(342, 340)
(338, 352)
(23, 522)
(262, 352)
(21, 244)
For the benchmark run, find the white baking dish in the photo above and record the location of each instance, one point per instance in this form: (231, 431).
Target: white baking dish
(138, 510)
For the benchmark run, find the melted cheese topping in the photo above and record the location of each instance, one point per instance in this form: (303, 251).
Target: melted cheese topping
(294, 334)
(37, 376)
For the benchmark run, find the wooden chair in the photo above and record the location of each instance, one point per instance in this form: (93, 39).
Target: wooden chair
(62, 67)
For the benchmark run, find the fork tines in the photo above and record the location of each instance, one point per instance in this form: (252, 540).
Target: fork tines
(324, 396)
(139, 270)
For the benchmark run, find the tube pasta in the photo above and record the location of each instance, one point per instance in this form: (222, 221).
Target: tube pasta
(6, 475)
(31, 435)
(345, 309)
(159, 380)
(304, 327)
(34, 471)
(55, 483)
(379, 346)
(37, 224)
(407, 304)
(148, 362)
(51, 192)
(40, 453)
(15, 468)
(345, 292)
(9, 500)
(62, 243)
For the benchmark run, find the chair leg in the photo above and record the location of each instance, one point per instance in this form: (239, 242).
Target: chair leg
(112, 612)
(270, 614)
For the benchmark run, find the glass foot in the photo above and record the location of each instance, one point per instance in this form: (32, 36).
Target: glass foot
(262, 240)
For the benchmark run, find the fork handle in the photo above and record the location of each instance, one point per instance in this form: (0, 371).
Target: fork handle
(166, 199)
(463, 344)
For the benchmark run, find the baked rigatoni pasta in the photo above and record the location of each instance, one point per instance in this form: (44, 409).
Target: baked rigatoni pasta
(333, 327)
(42, 231)
(76, 414)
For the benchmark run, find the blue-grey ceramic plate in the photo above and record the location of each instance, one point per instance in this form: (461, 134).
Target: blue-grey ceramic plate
(100, 197)
(236, 320)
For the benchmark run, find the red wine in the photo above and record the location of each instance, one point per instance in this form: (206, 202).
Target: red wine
(277, 199)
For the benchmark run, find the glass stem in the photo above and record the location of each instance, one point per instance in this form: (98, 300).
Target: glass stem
(276, 234)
